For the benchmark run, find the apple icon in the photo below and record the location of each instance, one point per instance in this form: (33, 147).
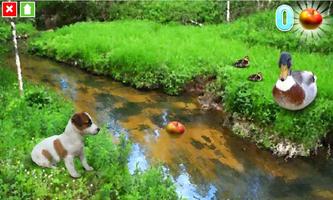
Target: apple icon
(310, 18)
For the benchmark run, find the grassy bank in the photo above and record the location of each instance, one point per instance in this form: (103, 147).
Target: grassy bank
(41, 113)
(150, 55)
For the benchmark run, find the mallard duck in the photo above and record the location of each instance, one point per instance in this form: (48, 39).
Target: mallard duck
(255, 77)
(242, 63)
(294, 90)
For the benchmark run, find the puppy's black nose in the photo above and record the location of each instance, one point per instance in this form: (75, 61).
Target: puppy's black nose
(282, 79)
(98, 129)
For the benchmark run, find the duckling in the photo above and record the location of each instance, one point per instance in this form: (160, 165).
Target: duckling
(256, 77)
(242, 63)
(294, 90)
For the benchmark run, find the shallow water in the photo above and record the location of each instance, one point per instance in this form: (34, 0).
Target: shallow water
(207, 162)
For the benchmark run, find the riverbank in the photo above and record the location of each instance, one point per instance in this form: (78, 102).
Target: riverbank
(206, 161)
(40, 113)
(150, 55)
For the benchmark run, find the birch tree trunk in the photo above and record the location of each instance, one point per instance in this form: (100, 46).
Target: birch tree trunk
(228, 11)
(17, 59)
(258, 5)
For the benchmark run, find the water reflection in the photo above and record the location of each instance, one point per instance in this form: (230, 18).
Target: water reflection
(137, 159)
(186, 189)
(63, 83)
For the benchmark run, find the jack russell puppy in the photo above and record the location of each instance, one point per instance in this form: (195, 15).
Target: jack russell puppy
(66, 145)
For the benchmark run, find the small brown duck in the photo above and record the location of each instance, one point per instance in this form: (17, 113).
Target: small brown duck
(242, 63)
(256, 77)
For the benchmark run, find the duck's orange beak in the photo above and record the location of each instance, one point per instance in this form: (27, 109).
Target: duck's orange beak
(284, 72)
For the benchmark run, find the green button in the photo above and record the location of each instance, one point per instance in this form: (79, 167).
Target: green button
(27, 9)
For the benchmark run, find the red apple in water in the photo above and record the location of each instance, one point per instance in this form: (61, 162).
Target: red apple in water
(310, 18)
(175, 127)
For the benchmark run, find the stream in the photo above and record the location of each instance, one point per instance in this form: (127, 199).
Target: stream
(206, 162)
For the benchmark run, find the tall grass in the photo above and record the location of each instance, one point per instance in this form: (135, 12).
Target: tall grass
(150, 55)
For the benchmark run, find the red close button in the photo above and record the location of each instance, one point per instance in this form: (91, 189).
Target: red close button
(9, 9)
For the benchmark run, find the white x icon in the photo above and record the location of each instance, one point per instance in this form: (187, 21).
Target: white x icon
(9, 9)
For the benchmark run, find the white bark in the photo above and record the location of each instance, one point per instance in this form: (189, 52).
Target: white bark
(17, 59)
(228, 11)
(258, 5)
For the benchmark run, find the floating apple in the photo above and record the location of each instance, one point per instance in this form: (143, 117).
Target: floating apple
(310, 18)
(175, 127)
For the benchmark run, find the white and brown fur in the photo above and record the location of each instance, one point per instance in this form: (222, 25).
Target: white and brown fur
(67, 145)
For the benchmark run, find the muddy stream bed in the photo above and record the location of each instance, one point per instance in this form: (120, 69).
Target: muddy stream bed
(207, 162)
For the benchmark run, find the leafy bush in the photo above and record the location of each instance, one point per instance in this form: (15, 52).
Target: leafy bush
(22, 126)
(164, 12)
(51, 14)
(38, 98)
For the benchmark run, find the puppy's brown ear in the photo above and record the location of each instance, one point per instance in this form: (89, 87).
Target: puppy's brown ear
(77, 120)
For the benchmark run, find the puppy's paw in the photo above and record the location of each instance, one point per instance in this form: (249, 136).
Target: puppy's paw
(89, 168)
(75, 175)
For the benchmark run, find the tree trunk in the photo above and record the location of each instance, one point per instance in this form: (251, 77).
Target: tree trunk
(228, 11)
(17, 59)
(258, 5)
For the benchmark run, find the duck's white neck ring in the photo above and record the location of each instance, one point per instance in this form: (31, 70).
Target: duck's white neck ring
(286, 84)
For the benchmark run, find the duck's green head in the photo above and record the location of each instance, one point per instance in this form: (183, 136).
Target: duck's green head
(285, 65)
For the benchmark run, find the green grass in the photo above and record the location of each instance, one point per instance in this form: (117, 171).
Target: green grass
(22, 28)
(151, 55)
(40, 113)
(261, 29)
